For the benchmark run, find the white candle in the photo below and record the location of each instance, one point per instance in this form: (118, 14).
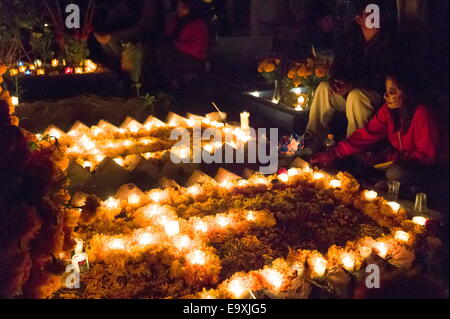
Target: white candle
(401, 236)
(370, 195)
(394, 206)
(245, 120)
(419, 220)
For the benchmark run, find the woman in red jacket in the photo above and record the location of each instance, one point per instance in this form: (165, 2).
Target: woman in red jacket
(187, 35)
(409, 126)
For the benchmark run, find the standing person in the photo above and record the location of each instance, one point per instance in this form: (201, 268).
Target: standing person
(135, 21)
(356, 78)
(322, 35)
(410, 127)
(187, 40)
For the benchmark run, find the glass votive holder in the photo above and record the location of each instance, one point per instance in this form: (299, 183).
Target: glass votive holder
(393, 190)
(420, 205)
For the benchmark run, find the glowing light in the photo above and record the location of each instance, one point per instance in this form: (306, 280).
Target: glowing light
(99, 158)
(364, 251)
(134, 128)
(370, 195)
(296, 91)
(256, 94)
(381, 249)
(348, 261)
(335, 183)
(394, 206)
(223, 221)
(158, 196)
(55, 63)
(134, 199)
(78, 70)
(226, 184)
(153, 210)
(197, 257)
(401, 236)
(112, 203)
(319, 266)
(251, 216)
(237, 287)
(194, 190)
(273, 277)
(206, 121)
(299, 268)
(190, 123)
(419, 220)
(15, 100)
(260, 181)
(116, 244)
(182, 242)
(127, 143)
(87, 165)
(119, 161)
(209, 148)
(40, 72)
(172, 228)
(283, 177)
(318, 176)
(275, 101)
(147, 155)
(201, 226)
(145, 239)
(55, 133)
(293, 172)
(242, 183)
(87, 143)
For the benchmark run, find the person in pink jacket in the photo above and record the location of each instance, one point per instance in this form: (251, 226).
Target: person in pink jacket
(187, 41)
(410, 127)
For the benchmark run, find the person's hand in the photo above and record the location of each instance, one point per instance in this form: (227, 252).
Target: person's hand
(324, 159)
(340, 87)
(103, 38)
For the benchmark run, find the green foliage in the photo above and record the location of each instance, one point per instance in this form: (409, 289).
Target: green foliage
(17, 16)
(76, 51)
(41, 43)
(132, 57)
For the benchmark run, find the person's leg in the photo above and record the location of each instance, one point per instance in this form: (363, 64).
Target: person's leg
(360, 106)
(322, 109)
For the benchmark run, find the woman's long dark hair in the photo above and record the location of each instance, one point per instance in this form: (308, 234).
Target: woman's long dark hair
(408, 82)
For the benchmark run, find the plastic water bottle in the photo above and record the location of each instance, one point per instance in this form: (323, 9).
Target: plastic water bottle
(329, 142)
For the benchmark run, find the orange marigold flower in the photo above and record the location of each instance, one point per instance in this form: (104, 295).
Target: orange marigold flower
(269, 67)
(291, 74)
(321, 72)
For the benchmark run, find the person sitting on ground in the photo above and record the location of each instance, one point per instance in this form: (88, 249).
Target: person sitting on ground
(322, 37)
(132, 21)
(411, 128)
(356, 78)
(187, 38)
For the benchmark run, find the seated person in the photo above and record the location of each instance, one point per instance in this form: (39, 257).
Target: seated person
(409, 125)
(187, 38)
(135, 21)
(356, 79)
(322, 36)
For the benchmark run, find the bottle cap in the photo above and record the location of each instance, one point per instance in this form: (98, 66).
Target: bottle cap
(330, 136)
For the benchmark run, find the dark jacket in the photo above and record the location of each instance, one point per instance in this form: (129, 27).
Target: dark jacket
(136, 20)
(365, 64)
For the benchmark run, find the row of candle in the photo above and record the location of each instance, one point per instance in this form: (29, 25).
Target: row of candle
(87, 66)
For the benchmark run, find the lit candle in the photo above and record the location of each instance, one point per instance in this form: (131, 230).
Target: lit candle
(237, 287)
(381, 248)
(145, 239)
(38, 63)
(255, 94)
(293, 172)
(419, 220)
(112, 203)
(394, 206)
(319, 266)
(40, 72)
(55, 63)
(153, 210)
(182, 242)
(78, 70)
(245, 120)
(223, 221)
(79, 246)
(15, 100)
(116, 244)
(335, 183)
(172, 228)
(283, 177)
(196, 257)
(201, 226)
(401, 236)
(251, 216)
(13, 72)
(348, 261)
(226, 184)
(318, 176)
(22, 69)
(158, 196)
(370, 195)
(194, 190)
(68, 70)
(364, 251)
(134, 199)
(274, 278)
